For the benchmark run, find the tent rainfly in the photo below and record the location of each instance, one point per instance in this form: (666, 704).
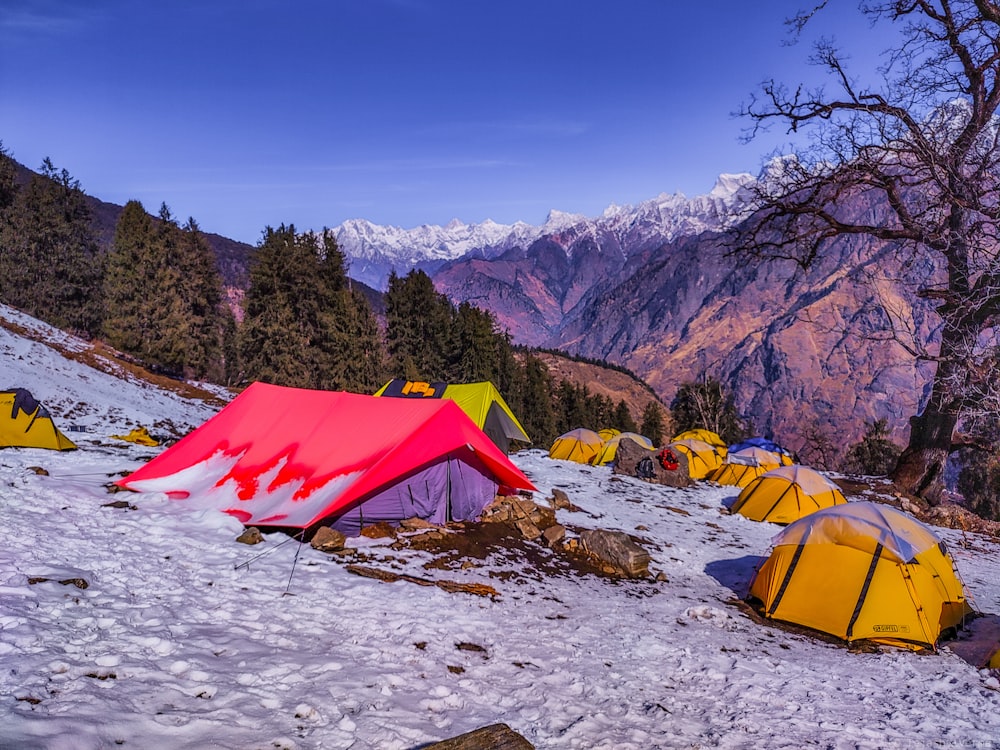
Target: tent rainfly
(481, 401)
(25, 423)
(299, 458)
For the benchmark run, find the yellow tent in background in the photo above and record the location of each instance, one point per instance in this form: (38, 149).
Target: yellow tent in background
(610, 448)
(705, 436)
(702, 457)
(764, 458)
(481, 401)
(608, 432)
(25, 423)
(862, 571)
(787, 494)
(580, 445)
(743, 466)
(139, 436)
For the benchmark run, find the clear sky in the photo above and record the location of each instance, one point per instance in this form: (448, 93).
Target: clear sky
(249, 113)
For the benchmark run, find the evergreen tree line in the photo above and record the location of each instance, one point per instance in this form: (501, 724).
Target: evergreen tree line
(156, 294)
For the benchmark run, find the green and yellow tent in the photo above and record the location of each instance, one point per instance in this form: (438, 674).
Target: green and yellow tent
(481, 401)
(25, 423)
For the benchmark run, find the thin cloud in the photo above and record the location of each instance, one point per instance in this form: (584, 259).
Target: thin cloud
(46, 17)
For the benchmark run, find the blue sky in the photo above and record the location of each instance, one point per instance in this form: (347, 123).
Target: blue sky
(249, 113)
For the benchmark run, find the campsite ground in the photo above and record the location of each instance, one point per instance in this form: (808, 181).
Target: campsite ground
(144, 624)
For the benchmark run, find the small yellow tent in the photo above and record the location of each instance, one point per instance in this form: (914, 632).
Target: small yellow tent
(608, 432)
(705, 436)
(862, 571)
(25, 423)
(702, 457)
(481, 401)
(139, 436)
(787, 494)
(580, 445)
(610, 448)
(742, 467)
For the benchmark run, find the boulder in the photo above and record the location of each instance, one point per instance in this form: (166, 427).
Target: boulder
(554, 534)
(630, 454)
(560, 500)
(327, 539)
(617, 550)
(250, 535)
(493, 737)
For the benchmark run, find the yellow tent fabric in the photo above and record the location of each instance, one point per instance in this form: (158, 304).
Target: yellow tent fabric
(786, 494)
(608, 432)
(610, 448)
(139, 436)
(706, 436)
(763, 458)
(481, 401)
(702, 457)
(862, 571)
(25, 423)
(580, 445)
(743, 466)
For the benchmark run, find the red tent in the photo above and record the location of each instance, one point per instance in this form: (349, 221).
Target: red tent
(279, 456)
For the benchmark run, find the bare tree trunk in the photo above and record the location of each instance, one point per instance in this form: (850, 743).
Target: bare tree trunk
(920, 469)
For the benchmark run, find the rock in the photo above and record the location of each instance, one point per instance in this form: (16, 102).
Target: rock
(554, 534)
(380, 530)
(328, 540)
(560, 500)
(250, 535)
(527, 529)
(493, 737)
(618, 550)
(415, 524)
(630, 454)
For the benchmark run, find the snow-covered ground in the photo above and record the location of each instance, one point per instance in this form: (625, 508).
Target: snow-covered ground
(177, 642)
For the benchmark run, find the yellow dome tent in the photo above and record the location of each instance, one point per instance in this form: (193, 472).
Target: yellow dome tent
(743, 466)
(705, 436)
(580, 445)
(702, 457)
(481, 401)
(862, 571)
(608, 432)
(25, 423)
(610, 448)
(787, 494)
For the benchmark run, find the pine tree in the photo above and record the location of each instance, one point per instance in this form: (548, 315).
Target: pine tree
(128, 278)
(623, 418)
(653, 425)
(304, 326)
(419, 323)
(535, 406)
(49, 265)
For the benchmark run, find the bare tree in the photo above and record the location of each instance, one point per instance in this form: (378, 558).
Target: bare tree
(920, 151)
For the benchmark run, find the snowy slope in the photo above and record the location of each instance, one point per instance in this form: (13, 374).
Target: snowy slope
(184, 638)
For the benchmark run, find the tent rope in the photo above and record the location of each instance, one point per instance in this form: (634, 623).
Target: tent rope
(246, 563)
(298, 549)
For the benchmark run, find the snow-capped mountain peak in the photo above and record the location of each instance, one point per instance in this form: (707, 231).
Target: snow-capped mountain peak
(375, 251)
